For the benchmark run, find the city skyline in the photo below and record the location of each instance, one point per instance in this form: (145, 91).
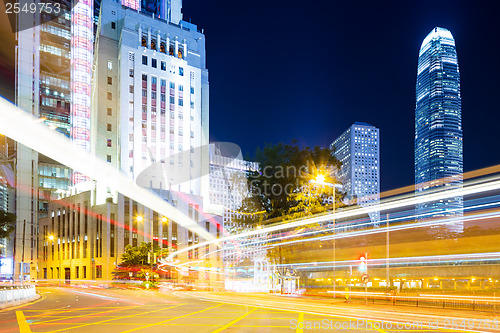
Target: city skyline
(369, 48)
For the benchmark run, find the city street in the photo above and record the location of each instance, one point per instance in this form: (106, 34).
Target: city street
(98, 310)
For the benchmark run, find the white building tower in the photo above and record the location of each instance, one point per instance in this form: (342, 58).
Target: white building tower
(358, 150)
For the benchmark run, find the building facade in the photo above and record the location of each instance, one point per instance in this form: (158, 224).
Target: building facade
(150, 99)
(438, 125)
(53, 79)
(358, 148)
(228, 188)
(81, 241)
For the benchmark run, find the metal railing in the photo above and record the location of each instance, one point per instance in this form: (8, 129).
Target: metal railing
(16, 294)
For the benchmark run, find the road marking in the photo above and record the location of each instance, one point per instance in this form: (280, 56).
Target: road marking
(24, 327)
(234, 321)
(103, 321)
(300, 322)
(89, 315)
(189, 314)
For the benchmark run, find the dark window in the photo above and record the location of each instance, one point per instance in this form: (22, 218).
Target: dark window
(144, 60)
(113, 25)
(163, 66)
(144, 77)
(108, 127)
(109, 142)
(108, 158)
(110, 80)
(110, 96)
(131, 89)
(98, 271)
(181, 71)
(153, 62)
(84, 272)
(110, 112)
(131, 73)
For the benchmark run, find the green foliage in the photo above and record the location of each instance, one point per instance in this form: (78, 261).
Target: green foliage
(282, 188)
(7, 224)
(137, 256)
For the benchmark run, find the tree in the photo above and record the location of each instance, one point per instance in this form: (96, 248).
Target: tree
(282, 188)
(7, 223)
(137, 256)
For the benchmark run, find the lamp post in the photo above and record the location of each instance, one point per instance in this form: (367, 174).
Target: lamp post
(139, 218)
(51, 238)
(320, 179)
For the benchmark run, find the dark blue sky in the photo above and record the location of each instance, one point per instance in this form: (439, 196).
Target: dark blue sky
(281, 70)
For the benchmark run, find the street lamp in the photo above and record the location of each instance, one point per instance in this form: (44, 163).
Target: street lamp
(320, 180)
(139, 219)
(51, 238)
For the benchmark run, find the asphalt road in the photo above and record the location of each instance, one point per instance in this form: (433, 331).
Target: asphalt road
(133, 310)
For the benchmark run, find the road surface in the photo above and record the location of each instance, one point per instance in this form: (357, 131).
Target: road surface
(133, 310)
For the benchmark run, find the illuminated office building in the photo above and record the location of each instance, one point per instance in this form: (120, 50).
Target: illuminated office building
(53, 82)
(150, 98)
(358, 150)
(438, 125)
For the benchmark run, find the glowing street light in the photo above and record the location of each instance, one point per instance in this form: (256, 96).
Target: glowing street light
(320, 179)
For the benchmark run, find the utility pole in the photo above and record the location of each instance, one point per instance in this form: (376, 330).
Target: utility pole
(387, 283)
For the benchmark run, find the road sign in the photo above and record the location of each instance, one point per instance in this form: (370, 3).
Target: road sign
(365, 278)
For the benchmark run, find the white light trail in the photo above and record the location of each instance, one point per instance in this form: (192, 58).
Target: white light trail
(27, 130)
(493, 184)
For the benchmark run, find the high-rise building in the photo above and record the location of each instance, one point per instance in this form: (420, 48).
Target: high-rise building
(53, 72)
(228, 188)
(150, 98)
(438, 124)
(358, 150)
(149, 119)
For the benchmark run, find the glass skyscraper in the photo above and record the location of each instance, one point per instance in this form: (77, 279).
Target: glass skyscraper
(438, 125)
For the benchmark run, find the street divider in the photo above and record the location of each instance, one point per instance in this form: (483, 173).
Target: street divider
(15, 295)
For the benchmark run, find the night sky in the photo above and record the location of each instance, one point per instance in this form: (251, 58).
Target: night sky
(282, 70)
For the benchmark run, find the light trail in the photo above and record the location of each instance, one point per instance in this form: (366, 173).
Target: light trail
(353, 213)
(339, 225)
(469, 190)
(27, 130)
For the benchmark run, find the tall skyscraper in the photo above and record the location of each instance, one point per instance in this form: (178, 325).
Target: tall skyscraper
(358, 150)
(438, 124)
(150, 98)
(53, 72)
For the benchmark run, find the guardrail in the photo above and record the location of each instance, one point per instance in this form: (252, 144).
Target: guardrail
(463, 302)
(10, 295)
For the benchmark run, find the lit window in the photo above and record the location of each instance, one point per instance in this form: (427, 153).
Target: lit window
(110, 65)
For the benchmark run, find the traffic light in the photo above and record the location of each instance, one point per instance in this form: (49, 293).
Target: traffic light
(362, 264)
